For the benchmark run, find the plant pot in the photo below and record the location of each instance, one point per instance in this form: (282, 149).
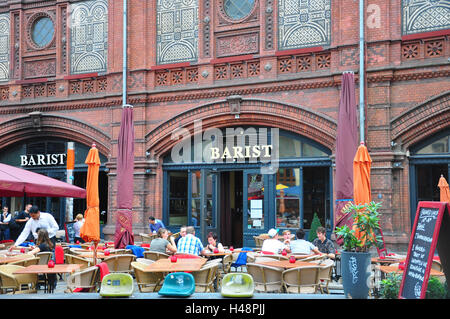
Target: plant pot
(355, 274)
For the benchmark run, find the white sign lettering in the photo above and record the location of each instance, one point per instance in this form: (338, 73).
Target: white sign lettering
(42, 159)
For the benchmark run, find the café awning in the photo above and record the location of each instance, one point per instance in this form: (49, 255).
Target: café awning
(18, 182)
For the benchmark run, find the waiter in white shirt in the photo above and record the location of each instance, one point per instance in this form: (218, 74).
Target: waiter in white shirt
(37, 221)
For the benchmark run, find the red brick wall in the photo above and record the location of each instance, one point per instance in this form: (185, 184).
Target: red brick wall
(396, 84)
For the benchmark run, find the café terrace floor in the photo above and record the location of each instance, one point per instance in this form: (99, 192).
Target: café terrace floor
(336, 292)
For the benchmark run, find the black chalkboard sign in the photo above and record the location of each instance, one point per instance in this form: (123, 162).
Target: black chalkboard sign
(422, 246)
(70, 232)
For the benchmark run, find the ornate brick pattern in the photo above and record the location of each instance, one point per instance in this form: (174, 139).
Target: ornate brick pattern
(176, 31)
(235, 70)
(88, 86)
(237, 44)
(89, 37)
(39, 68)
(206, 28)
(39, 90)
(349, 57)
(4, 93)
(16, 46)
(425, 15)
(411, 50)
(4, 46)
(306, 62)
(303, 23)
(63, 40)
(176, 76)
(224, 19)
(269, 26)
(434, 48)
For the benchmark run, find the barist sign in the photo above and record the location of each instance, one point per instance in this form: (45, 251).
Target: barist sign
(42, 159)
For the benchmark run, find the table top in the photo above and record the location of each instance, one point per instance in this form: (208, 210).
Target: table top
(13, 258)
(225, 253)
(182, 264)
(90, 254)
(44, 269)
(389, 269)
(285, 263)
(387, 260)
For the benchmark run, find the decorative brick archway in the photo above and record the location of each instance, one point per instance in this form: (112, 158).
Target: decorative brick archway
(422, 121)
(41, 125)
(238, 111)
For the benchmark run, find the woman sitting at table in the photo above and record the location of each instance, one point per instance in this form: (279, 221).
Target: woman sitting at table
(213, 244)
(43, 243)
(162, 244)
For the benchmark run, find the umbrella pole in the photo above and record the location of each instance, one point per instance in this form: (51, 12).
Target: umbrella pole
(95, 253)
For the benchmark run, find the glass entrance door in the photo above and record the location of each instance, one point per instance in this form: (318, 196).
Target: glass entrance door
(256, 204)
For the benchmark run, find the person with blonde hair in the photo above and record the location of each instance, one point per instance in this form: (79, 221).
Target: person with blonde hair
(77, 226)
(162, 243)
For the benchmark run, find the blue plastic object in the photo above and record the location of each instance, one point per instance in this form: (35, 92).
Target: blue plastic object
(178, 284)
(137, 251)
(74, 246)
(241, 260)
(117, 285)
(237, 285)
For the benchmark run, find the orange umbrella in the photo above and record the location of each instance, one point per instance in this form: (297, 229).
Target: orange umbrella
(361, 176)
(361, 179)
(90, 231)
(445, 192)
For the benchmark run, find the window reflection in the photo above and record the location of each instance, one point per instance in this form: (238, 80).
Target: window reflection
(178, 198)
(196, 199)
(288, 198)
(255, 201)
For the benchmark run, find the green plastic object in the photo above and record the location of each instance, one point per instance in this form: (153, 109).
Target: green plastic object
(178, 284)
(237, 285)
(117, 285)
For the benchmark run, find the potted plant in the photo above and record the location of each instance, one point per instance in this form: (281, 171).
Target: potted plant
(356, 243)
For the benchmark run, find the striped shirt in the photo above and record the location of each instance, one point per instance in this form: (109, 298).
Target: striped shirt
(190, 244)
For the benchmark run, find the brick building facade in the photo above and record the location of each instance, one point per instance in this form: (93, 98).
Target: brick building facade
(260, 63)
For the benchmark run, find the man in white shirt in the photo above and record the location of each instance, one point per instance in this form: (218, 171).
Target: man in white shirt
(301, 246)
(273, 245)
(37, 221)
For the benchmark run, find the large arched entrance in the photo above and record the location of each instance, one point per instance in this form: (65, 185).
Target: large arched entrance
(227, 189)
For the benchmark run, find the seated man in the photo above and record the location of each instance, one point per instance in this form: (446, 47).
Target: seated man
(272, 244)
(155, 224)
(301, 246)
(324, 245)
(190, 244)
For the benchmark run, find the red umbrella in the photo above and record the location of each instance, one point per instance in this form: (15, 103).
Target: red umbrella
(18, 182)
(123, 235)
(90, 231)
(346, 145)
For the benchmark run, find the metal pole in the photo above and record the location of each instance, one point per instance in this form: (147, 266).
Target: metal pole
(361, 71)
(124, 64)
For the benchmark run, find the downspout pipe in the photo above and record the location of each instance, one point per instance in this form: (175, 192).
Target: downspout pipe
(361, 72)
(125, 57)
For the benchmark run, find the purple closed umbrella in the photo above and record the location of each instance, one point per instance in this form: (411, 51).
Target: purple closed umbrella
(346, 146)
(123, 235)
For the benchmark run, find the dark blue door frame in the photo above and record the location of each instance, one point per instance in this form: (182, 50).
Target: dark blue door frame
(269, 184)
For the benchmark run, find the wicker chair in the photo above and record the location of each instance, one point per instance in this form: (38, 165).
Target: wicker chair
(144, 261)
(266, 278)
(301, 279)
(86, 279)
(325, 272)
(20, 283)
(155, 255)
(26, 262)
(147, 281)
(147, 238)
(84, 262)
(120, 263)
(205, 277)
(44, 256)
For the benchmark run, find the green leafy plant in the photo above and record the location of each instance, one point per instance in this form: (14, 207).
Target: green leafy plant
(390, 286)
(435, 289)
(366, 220)
(314, 225)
